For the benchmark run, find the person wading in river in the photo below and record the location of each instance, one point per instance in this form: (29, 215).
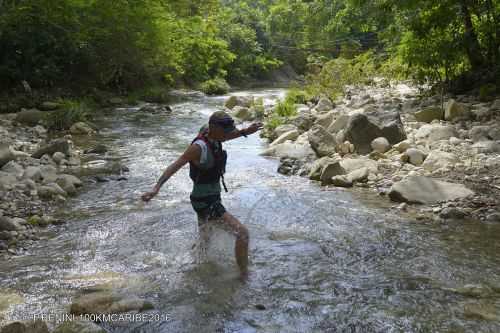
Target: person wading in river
(207, 162)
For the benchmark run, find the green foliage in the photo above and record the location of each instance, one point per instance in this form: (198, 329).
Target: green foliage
(285, 109)
(258, 107)
(70, 112)
(273, 122)
(296, 96)
(487, 92)
(217, 86)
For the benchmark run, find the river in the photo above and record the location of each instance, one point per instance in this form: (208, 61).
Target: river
(322, 260)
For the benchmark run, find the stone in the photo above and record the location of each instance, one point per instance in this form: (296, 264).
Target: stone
(494, 133)
(455, 141)
(380, 145)
(322, 142)
(479, 133)
(79, 326)
(438, 159)
(7, 180)
(342, 181)
(302, 121)
(344, 148)
(31, 117)
(34, 173)
(452, 213)
(106, 302)
(58, 157)
(330, 170)
(290, 150)
(28, 326)
(49, 106)
(481, 311)
(98, 149)
(13, 168)
(339, 124)
(429, 114)
(317, 167)
(81, 128)
(6, 154)
(326, 119)
(68, 183)
(291, 135)
(362, 129)
(436, 132)
(48, 173)
(359, 175)
(493, 217)
(486, 147)
(415, 156)
(402, 146)
(59, 145)
(9, 224)
(242, 113)
(324, 104)
(424, 190)
(40, 130)
(351, 164)
(455, 110)
(50, 191)
(244, 101)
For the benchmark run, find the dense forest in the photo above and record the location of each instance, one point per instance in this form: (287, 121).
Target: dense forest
(123, 45)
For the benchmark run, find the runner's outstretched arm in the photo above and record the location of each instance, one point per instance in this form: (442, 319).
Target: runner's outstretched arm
(192, 153)
(254, 127)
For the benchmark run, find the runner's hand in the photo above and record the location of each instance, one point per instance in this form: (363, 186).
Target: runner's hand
(148, 196)
(254, 127)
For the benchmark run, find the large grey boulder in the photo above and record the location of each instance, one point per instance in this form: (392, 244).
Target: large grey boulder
(436, 132)
(242, 113)
(81, 128)
(479, 133)
(330, 170)
(414, 156)
(290, 150)
(455, 111)
(68, 183)
(326, 119)
(339, 124)
(6, 154)
(7, 180)
(13, 168)
(324, 104)
(438, 159)
(317, 167)
(352, 164)
(380, 145)
(363, 128)
(34, 173)
(26, 326)
(487, 147)
(303, 121)
(282, 129)
(291, 135)
(106, 302)
(429, 114)
(424, 190)
(244, 101)
(59, 145)
(322, 142)
(9, 224)
(31, 117)
(50, 191)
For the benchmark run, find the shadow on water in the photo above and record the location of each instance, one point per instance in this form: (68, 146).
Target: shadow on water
(321, 260)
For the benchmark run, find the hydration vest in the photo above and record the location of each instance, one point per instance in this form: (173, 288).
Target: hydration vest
(215, 173)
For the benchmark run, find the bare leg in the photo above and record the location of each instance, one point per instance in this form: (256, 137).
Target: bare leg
(241, 244)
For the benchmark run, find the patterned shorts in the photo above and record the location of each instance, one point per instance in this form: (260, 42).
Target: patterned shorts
(208, 208)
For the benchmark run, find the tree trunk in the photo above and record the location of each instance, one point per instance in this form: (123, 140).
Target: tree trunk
(471, 42)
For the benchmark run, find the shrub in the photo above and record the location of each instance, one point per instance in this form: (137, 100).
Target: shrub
(216, 86)
(69, 113)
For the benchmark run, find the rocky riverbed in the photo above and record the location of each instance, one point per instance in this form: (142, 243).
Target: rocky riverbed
(438, 162)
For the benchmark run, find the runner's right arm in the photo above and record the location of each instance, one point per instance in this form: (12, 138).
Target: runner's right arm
(192, 153)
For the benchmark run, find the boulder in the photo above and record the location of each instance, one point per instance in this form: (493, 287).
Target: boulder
(339, 124)
(322, 142)
(344, 148)
(438, 159)
(244, 101)
(455, 111)
(494, 133)
(402, 146)
(303, 121)
(49, 106)
(31, 117)
(13, 168)
(98, 149)
(48, 173)
(242, 113)
(79, 326)
(414, 156)
(7, 180)
(436, 132)
(495, 105)
(487, 147)
(330, 170)
(68, 183)
(9, 224)
(424, 190)
(359, 175)
(317, 167)
(292, 136)
(27, 326)
(452, 213)
(429, 114)
(34, 173)
(380, 145)
(106, 302)
(290, 150)
(282, 129)
(342, 181)
(479, 133)
(324, 104)
(351, 164)
(362, 129)
(326, 119)
(50, 191)
(6, 154)
(81, 128)
(58, 157)
(59, 145)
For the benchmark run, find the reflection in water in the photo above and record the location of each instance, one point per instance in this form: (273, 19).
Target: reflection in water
(322, 260)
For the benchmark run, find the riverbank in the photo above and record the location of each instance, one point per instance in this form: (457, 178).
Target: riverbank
(439, 164)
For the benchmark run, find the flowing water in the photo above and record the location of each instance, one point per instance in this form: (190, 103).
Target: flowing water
(322, 260)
